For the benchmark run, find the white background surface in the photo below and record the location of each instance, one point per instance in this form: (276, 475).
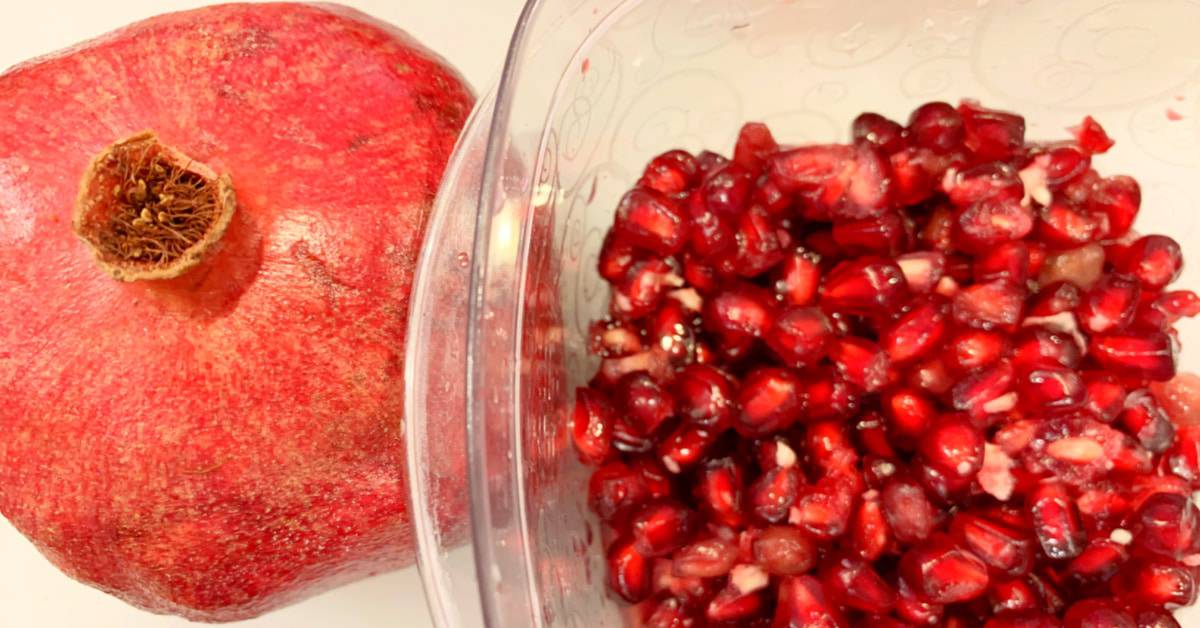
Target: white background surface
(473, 35)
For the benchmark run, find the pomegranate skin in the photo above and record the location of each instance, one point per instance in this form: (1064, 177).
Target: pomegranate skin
(227, 442)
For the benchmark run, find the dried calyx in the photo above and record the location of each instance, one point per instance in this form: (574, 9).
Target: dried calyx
(148, 211)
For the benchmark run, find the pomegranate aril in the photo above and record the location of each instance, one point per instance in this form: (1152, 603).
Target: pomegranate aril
(1109, 306)
(718, 491)
(710, 557)
(991, 221)
(652, 221)
(731, 605)
(1064, 163)
(909, 412)
(869, 532)
(1149, 355)
(784, 551)
(823, 510)
(1001, 547)
(615, 489)
(1147, 422)
(1055, 520)
(759, 245)
(800, 336)
(862, 362)
(887, 135)
(1150, 616)
(1153, 260)
(1156, 581)
(996, 304)
(654, 477)
(913, 175)
(803, 603)
(670, 173)
(740, 310)
(922, 270)
(755, 145)
(864, 287)
(1096, 565)
(973, 349)
(617, 256)
(852, 582)
(906, 507)
(684, 446)
(660, 528)
(797, 279)
(771, 400)
(726, 189)
(591, 426)
(917, 332)
(1180, 398)
(944, 573)
(1023, 619)
(986, 180)
(983, 392)
(1166, 309)
(1167, 525)
(828, 395)
(1008, 260)
(1093, 613)
(1008, 596)
(1051, 389)
(669, 613)
(711, 233)
(771, 496)
(829, 448)
(936, 126)
(915, 608)
(1037, 346)
(991, 134)
(953, 446)
(704, 396)
(1080, 267)
(644, 402)
(1119, 199)
(883, 234)
(1063, 226)
(642, 288)
(629, 571)
(1091, 136)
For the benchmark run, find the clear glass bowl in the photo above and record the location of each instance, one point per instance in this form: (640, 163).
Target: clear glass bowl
(592, 89)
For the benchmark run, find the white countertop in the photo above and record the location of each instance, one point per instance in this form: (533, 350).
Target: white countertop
(474, 37)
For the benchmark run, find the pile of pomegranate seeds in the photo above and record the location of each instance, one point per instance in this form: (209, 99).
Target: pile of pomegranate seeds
(917, 380)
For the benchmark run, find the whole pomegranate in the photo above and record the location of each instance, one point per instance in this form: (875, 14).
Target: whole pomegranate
(209, 223)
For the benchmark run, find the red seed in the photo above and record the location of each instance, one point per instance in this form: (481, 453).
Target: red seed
(991, 134)
(1064, 163)
(617, 256)
(936, 126)
(1010, 596)
(1156, 581)
(711, 233)
(591, 426)
(883, 234)
(1063, 226)
(670, 173)
(972, 349)
(943, 572)
(922, 270)
(684, 446)
(869, 530)
(615, 489)
(1080, 266)
(718, 491)
(982, 392)
(1008, 260)
(771, 400)
(1166, 525)
(914, 175)
(629, 571)
(1023, 619)
(771, 497)
(784, 551)
(660, 528)
(755, 145)
(1150, 616)
(828, 395)
(1037, 346)
(802, 603)
(993, 305)
(644, 403)
(669, 613)
(823, 510)
(726, 189)
(914, 608)
(652, 221)
(1056, 298)
(1149, 356)
(798, 278)
(800, 337)
(852, 582)
(909, 412)
(885, 134)
(1180, 398)
(1001, 547)
(710, 557)
(1109, 306)
(1119, 199)
(704, 396)
(986, 180)
(1091, 136)
(953, 446)
(907, 509)
(759, 246)
(1094, 613)
(862, 362)
(1055, 520)
(917, 332)
(1154, 260)
(991, 221)
(1096, 564)
(1051, 389)
(741, 310)
(865, 287)
(1147, 422)
(732, 605)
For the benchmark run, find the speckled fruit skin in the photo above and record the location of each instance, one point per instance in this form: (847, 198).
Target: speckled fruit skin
(224, 443)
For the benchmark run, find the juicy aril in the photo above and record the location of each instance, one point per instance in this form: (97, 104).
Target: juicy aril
(201, 344)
